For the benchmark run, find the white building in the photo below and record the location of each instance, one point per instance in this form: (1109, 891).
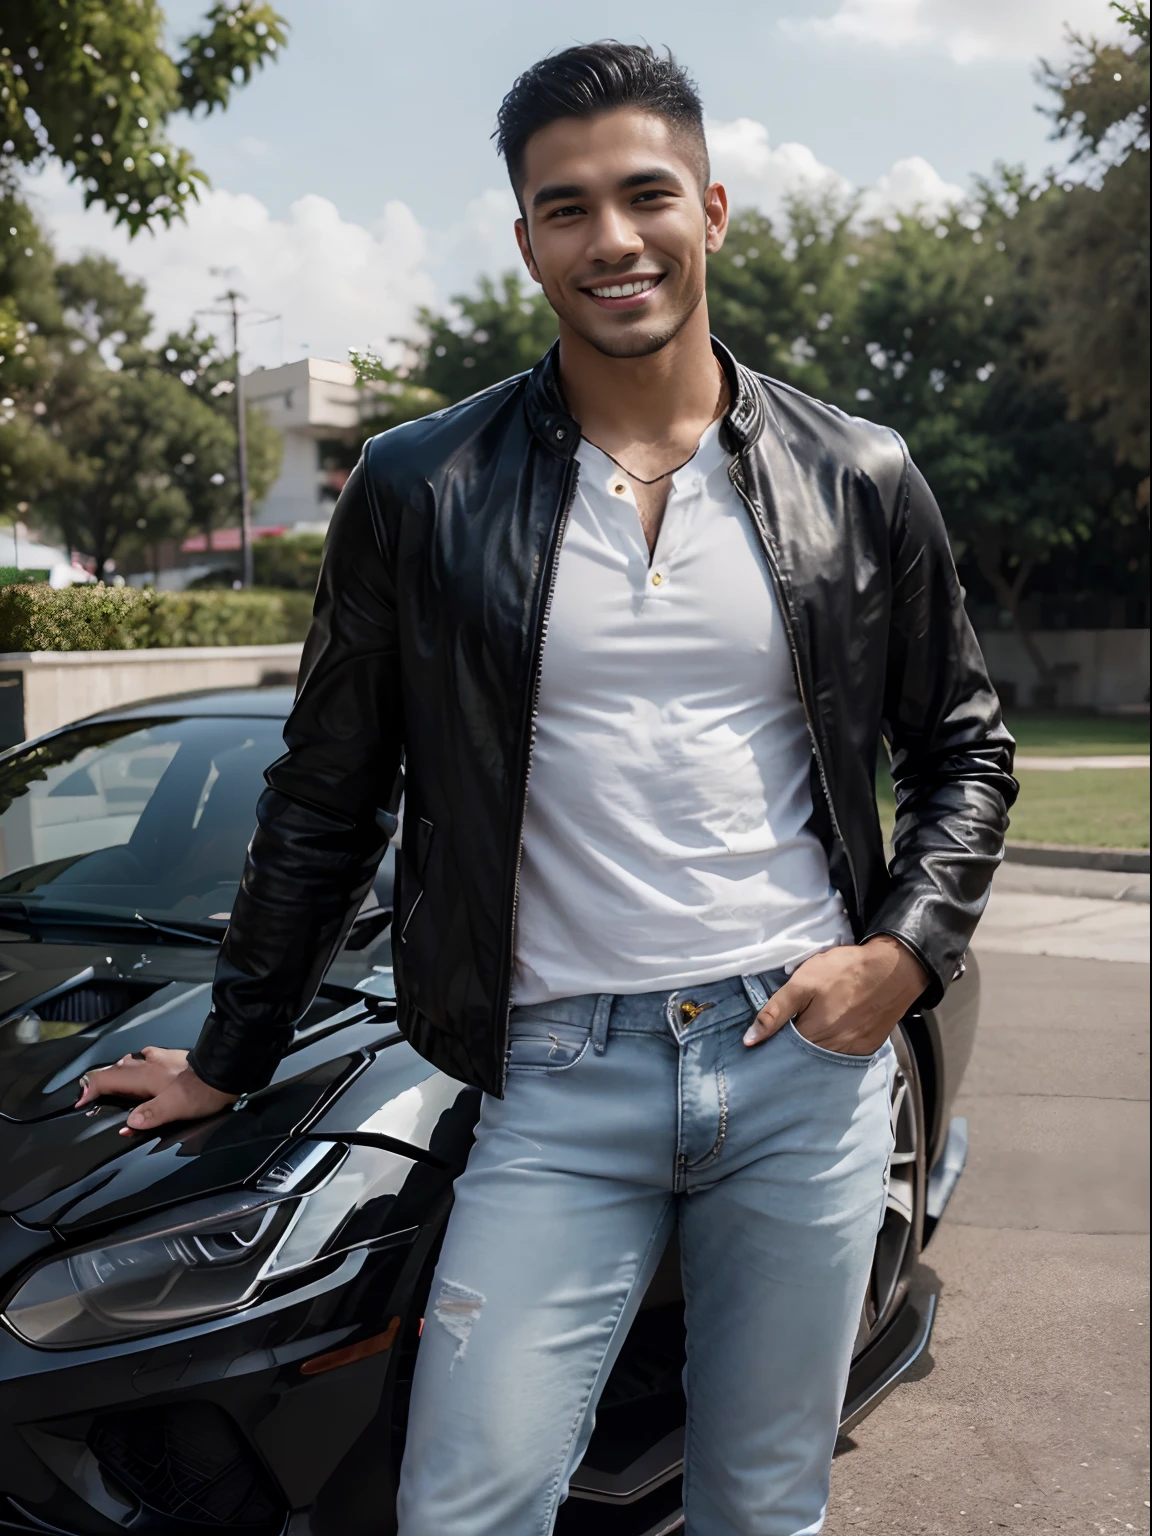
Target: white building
(316, 407)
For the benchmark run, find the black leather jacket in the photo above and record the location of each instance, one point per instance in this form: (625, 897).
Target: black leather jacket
(429, 624)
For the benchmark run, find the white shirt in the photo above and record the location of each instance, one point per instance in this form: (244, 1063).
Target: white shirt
(666, 837)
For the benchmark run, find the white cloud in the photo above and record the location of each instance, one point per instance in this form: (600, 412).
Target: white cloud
(335, 284)
(911, 186)
(758, 176)
(967, 30)
(482, 241)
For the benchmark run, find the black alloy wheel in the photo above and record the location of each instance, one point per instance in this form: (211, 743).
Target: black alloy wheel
(902, 1231)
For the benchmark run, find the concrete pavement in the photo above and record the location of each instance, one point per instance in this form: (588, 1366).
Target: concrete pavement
(1029, 1412)
(1067, 764)
(1074, 926)
(1050, 880)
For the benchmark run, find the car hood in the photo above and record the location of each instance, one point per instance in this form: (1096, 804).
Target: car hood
(68, 1008)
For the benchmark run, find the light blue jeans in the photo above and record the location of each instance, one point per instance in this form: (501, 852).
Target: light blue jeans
(622, 1117)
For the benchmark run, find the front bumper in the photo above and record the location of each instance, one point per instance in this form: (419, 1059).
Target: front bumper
(219, 1425)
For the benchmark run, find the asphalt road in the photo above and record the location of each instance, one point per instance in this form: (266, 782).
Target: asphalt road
(1029, 1413)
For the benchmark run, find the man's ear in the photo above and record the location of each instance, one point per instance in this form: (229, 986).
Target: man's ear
(526, 250)
(715, 216)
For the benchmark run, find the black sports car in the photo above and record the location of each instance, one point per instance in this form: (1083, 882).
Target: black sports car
(215, 1328)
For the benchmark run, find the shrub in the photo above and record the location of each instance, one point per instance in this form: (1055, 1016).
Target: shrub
(100, 618)
(290, 564)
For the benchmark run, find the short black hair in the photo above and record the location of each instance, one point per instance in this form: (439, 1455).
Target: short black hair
(592, 78)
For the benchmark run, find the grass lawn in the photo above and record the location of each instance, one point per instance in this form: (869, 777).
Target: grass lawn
(1098, 807)
(1079, 735)
(1095, 807)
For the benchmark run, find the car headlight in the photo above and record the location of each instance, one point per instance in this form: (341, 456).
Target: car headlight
(211, 1255)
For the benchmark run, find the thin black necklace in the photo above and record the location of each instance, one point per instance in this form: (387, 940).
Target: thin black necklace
(676, 468)
(638, 479)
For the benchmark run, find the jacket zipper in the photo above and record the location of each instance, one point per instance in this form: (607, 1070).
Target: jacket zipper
(786, 616)
(411, 915)
(541, 636)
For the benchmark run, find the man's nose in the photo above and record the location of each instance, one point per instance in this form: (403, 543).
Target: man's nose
(614, 238)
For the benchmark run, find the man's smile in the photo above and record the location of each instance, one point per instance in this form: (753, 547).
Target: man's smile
(629, 293)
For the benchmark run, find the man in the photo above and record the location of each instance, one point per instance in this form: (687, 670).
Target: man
(689, 601)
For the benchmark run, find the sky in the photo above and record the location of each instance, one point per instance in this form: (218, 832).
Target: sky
(355, 179)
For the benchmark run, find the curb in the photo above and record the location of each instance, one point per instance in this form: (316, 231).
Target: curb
(1129, 861)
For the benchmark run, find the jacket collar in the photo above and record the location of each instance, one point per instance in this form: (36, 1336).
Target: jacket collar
(559, 431)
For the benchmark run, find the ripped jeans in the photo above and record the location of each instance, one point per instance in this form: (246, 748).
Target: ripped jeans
(624, 1116)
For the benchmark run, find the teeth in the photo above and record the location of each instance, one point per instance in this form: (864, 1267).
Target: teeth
(625, 290)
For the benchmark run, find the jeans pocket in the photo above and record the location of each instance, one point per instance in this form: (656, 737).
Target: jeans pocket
(540, 1044)
(839, 1058)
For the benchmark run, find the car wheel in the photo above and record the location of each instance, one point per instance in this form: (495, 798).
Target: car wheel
(902, 1232)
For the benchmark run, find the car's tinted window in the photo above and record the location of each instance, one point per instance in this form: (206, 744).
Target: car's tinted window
(132, 816)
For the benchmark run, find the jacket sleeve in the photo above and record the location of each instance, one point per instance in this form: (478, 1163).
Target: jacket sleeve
(951, 753)
(317, 842)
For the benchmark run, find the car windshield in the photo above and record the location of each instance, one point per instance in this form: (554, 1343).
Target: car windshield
(136, 816)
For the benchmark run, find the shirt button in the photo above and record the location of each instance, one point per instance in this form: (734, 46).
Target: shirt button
(656, 578)
(619, 489)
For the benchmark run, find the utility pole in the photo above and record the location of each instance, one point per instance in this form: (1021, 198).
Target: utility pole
(233, 301)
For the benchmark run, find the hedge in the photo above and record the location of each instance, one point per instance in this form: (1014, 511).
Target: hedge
(288, 563)
(34, 617)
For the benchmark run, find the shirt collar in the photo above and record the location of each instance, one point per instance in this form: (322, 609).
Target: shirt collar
(596, 466)
(550, 419)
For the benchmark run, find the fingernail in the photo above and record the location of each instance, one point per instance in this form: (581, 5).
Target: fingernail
(750, 1037)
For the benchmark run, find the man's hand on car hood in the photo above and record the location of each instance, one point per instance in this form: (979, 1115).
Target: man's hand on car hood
(163, 1080)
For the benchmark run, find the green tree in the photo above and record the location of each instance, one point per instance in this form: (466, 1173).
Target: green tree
(393, 395)
(130, 446)
(116, 423)
(1093, 259)
(90, 83)
(945, 315)
(116, 484)
(206, 471)
(785, 302)
(926, 325)
(502, 330)
(30, 313)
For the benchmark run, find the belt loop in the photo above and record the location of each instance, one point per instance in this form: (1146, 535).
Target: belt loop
(754, 991)
(601, 1013)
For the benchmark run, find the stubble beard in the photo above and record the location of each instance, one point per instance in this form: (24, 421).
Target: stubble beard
(632, 343)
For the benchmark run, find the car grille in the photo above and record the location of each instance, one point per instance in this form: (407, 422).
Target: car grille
(187, 1461)
(92, 1002)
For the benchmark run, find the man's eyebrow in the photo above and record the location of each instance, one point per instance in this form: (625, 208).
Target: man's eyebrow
(562, 192)
(654, 173)
(557, 193)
